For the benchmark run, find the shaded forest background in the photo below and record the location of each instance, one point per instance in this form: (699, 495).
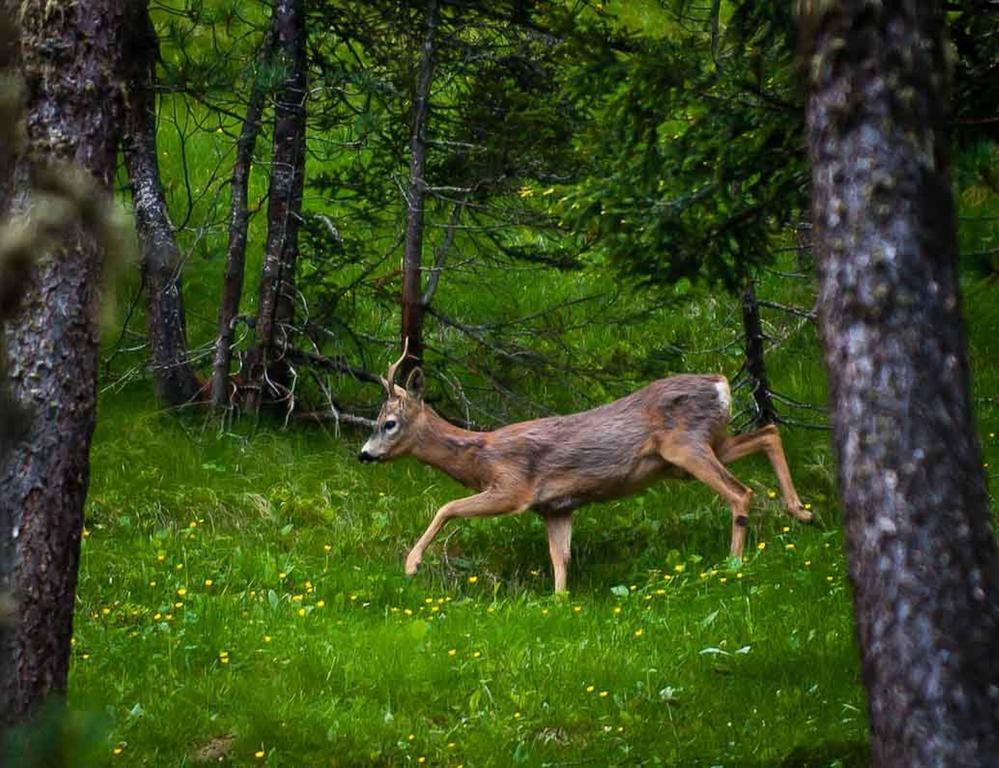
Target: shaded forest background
(591, 172)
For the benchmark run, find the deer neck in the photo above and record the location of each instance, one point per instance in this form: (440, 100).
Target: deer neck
(452, 450)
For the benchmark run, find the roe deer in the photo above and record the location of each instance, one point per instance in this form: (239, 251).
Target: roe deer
(674, 427)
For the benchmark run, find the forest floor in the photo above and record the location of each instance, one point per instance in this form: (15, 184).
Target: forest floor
(242, 602)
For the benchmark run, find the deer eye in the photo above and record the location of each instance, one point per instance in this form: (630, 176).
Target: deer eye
(390, 425)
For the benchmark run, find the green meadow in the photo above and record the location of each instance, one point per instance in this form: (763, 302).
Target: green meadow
(242, 602)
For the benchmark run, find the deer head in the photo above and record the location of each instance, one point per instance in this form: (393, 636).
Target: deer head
(395, 431)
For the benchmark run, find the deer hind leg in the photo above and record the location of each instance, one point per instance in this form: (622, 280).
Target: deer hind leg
(484, 504)
(766, 440)
(702, 464)
(559, 526)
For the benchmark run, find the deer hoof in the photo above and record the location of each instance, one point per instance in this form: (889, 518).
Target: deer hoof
(412, 565)
(803, 514)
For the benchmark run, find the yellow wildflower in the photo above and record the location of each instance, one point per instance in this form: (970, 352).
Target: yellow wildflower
(182, 591)
(639, 632)
(472, 579)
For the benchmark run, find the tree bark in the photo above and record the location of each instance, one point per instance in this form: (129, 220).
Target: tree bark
(412, 261)
(70, 60)
(756, 366)
(275, 304)
(235, 257)
(173, 377)
(922, 554)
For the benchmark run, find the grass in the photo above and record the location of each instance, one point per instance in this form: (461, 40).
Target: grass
(244, 600)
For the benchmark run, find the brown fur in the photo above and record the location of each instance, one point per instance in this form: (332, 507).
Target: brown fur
(675, 427)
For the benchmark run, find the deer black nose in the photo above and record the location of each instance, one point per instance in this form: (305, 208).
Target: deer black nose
(366, 457)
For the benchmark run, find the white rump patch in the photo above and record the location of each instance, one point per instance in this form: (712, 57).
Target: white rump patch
(724, 395)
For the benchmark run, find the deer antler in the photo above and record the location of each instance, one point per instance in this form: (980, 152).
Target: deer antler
(389, 381)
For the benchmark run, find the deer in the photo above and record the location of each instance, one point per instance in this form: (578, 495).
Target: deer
(676, 427)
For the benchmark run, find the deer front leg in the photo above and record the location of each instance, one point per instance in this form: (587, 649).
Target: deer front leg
(559, 541)
(487, 503)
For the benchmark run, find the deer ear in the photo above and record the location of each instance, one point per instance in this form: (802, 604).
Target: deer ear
(414, 383)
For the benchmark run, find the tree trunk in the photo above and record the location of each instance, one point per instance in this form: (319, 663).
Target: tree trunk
(412, 262)
(922, 554)
(235, 257)
(275, 305)
(70, 61)
(174, 380)
(756, 366)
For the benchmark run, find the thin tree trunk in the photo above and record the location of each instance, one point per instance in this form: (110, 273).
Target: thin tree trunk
(173, 377)
(922, 554)
(70, 60)
(756, 366)
(275, 304)
(412, 261)
(235, 257)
